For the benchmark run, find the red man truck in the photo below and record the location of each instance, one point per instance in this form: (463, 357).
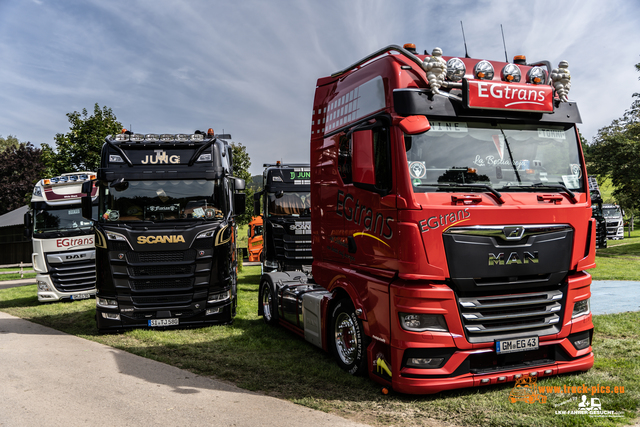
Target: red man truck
(451, 224)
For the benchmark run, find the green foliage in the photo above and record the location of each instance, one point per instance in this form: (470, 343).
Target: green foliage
(9, 141)
(79, 149)
(20, 169)
(615, 154)
(241, 165)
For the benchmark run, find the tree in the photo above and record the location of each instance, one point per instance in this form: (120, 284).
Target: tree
(79, 149)
(20, 169)
(615, 154)
(241, 165)
(10, 141)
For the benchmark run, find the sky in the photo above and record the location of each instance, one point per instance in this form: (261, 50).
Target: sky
(249, 67)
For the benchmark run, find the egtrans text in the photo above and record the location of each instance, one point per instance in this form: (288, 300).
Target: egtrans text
(351, 210)
(438, 221)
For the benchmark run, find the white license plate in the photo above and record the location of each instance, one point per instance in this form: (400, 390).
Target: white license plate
(516, 345)
(164, 322)
(80, 296)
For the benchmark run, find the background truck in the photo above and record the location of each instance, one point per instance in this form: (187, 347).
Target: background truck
(255, 242)
(597, 214)
(165, 231)
(614, 216)
(451, 224)
(63, 250)
(285, 208)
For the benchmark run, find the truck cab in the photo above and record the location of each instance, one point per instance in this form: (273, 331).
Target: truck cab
(165, 231)
(451, 224)
(614, 217)
(285, 208)
(63, 247)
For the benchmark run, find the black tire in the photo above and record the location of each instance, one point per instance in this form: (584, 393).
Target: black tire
(347, 339)
(268, 301)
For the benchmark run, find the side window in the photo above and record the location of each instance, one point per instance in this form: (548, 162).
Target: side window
(344, 159)
(382, 158)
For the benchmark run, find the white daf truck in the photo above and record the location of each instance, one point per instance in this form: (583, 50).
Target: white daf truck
(63, 241)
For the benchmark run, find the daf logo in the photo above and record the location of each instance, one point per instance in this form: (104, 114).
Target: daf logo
(513, 233)
(76, 256)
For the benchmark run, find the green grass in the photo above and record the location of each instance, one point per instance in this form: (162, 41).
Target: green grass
(274, 361)
(620, 260)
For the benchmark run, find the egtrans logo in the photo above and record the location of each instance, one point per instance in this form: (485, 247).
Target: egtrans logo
(70, 242)
(509, 96)
(143, 240)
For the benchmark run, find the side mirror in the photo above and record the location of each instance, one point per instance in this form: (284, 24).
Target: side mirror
(87, 202)
(28, 224)
(240, 184)
(257, 197)
(240, 203)
(413, 125)
(363, 167)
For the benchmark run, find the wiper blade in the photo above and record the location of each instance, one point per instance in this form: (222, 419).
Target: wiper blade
(561, 188)
(482, 187)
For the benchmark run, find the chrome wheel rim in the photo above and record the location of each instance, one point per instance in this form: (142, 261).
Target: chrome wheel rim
(345, 338)
(266, 303)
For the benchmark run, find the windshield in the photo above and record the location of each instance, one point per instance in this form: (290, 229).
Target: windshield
(505, 157)
(169, 200)
(288, 204)
(611, 212)
(67, 218)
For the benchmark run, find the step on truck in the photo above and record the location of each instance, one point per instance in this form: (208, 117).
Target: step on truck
(451, 224)
(285, 208)
(165, 231)
(63, 248)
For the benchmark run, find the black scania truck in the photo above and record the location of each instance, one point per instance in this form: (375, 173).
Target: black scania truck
(165, 232)
(286, 215)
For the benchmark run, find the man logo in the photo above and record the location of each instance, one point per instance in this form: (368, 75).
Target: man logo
(513, 233)
(514, 258)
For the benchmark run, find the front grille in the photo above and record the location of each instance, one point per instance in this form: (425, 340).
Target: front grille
(161, 256)
(297, 247)
(146, 285)
(162, 299)
(73, 276)
(491, 317)
(160, 270)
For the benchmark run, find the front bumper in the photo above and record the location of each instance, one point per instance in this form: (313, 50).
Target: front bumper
(48, 293)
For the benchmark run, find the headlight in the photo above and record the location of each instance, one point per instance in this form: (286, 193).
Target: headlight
(206, 234)
(114, 158)
(219, 296)
(37, 191)
(455, 69)
(43, 287)
(537, 76)
(106, 302)
(116, 236)
(511, 73)
(581, 308)
(417, 322)
(425, 362)
(483, 70)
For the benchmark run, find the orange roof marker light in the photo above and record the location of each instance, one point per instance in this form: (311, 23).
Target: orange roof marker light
(520, 60)
(210, 132)
(411, 47)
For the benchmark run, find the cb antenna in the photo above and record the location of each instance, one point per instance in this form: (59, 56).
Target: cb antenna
(506, 57)
(466, 55)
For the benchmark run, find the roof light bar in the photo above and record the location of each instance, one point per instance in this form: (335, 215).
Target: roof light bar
(536, 75)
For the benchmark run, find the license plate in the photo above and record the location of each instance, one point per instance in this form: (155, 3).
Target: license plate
(163, 322)
(80, 296)
(516, 345)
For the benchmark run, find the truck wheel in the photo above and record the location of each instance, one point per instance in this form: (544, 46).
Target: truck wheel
(269, 303)
(347, 338)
